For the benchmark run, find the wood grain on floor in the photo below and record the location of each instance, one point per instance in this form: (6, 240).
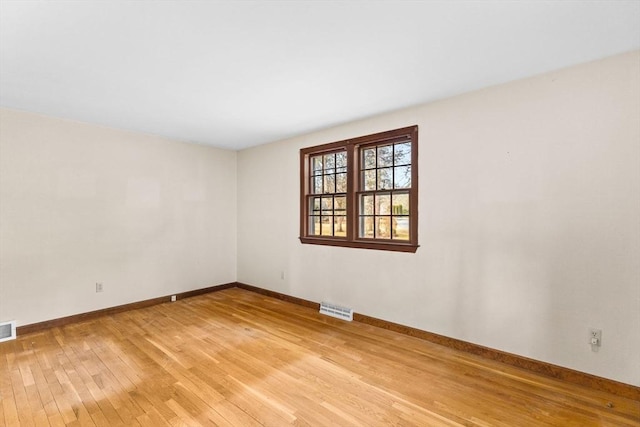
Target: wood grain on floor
(238, 358)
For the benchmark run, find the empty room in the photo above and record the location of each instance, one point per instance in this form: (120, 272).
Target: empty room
(319, 213)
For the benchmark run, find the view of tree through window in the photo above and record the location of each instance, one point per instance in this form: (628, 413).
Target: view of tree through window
(361, 192)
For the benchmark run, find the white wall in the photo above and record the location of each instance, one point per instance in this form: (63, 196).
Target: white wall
(529, 221)
(81, 204)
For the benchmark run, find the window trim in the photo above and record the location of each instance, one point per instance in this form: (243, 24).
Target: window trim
(352, 147)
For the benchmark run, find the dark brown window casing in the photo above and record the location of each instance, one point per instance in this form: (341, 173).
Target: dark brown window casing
(362, 192)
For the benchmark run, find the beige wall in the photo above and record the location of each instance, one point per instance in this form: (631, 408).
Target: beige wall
(81, 204)
(529, 221)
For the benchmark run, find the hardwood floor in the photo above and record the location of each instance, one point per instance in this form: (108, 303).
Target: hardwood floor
(235, 357)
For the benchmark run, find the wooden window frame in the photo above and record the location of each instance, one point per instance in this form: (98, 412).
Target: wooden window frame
(354, 168)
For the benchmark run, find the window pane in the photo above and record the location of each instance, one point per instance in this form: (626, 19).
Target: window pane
(369, 158)
(366, 205)
(385, 156)
(327, 204)
(340, 225)
(317, 165)
(383, 204)
(369, 180)
(400, 204)
(384, 179)
(314, 205)
(383, 227)
(366, 226)
(401, 227)
(340, 204)
(402, 154)
(341, 161)
(329, 184)
(329, 162)
(402, 177)
(341, 183)
(327, 226)
(316, 185)
(314, 225)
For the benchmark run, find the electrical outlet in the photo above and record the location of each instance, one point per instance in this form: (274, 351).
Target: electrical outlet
(595, 337)
(98, 286)
(173, 298)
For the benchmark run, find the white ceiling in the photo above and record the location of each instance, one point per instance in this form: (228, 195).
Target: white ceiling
(235, 74)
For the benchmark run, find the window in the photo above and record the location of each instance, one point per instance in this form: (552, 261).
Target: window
(362, 192)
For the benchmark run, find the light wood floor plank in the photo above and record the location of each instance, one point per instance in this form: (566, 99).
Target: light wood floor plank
(236, 358)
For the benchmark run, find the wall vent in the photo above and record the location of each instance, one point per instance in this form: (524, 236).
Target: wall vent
(336, 311)
(7, 331)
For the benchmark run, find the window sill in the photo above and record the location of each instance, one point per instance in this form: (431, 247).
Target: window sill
(361, 244)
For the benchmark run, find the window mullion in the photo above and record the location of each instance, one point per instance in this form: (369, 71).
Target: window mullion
(352, 171)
